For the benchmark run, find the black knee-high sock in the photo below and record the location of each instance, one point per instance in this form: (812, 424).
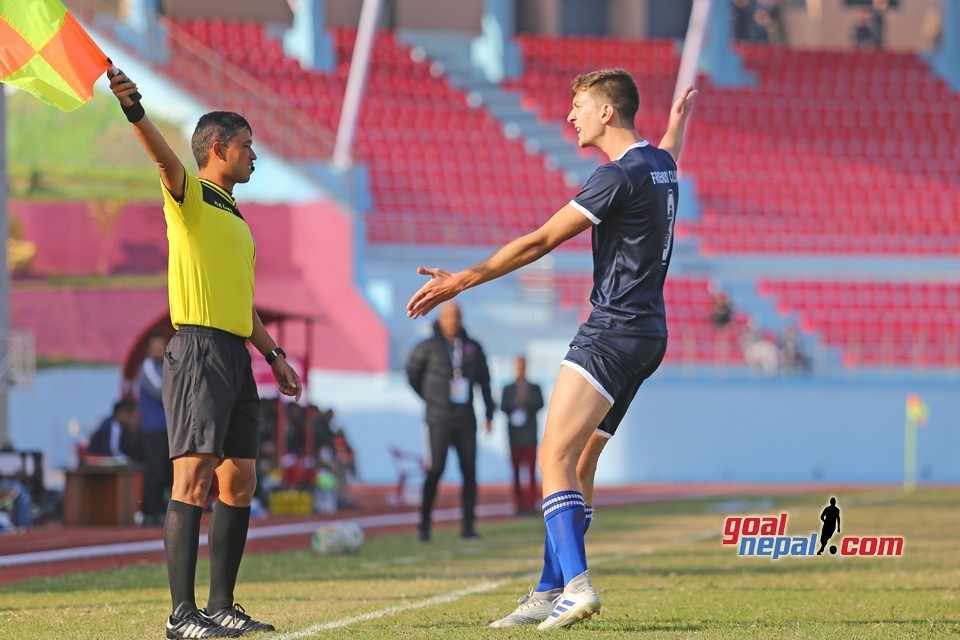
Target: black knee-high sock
(226, 539)
(181, 540)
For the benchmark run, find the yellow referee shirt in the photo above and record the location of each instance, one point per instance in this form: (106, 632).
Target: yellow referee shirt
(212, 259)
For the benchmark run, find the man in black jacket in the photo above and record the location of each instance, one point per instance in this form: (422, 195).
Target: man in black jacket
(443, 371)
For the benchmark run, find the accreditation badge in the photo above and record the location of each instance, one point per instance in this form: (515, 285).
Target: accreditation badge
(518, 417)
(460, 390)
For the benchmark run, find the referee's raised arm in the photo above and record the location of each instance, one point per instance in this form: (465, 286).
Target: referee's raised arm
(171, 169)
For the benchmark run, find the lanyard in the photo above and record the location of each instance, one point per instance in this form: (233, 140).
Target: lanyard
(456, 358)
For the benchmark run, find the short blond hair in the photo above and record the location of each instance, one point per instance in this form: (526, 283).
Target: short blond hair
(615, 87)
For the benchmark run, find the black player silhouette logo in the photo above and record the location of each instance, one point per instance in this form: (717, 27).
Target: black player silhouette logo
(831, 522)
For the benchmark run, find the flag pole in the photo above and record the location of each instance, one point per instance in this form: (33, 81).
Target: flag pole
(910, 453)
(4, 279)
(916, 414)
(359, 65)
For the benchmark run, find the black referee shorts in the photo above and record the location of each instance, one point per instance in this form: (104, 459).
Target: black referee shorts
(616, 363)
(209, 394)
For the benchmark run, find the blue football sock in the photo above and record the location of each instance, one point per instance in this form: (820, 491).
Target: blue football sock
(563, 513)
(552, 575)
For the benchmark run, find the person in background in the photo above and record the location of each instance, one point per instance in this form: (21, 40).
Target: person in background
(759, 350)
(346, 467)
(864, 31)
(520, 402)
(15, 501)
(119, 434)
(769, 20)
(157, 470)
(443, 370)
(742, 20)
(793, 358)
(296, 430)
(932, 26)
(722, 312)
(878, 20)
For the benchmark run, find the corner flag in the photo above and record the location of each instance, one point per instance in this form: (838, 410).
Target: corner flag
(917, 414)
(45, 52)
(917, 410)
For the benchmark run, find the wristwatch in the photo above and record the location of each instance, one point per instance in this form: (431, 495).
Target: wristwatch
(276, 352)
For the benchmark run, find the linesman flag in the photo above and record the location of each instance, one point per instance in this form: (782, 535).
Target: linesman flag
(45, 52)
(917, 410)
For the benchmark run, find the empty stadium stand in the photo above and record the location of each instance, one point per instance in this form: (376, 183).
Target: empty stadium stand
(551, 63)
(442, 172)
(832, 152)
(877, 323)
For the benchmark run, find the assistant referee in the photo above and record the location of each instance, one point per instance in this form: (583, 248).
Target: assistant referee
(209, 394)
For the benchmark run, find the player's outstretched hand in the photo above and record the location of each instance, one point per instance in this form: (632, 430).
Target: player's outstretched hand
(287, 378)
(122, 86)
(683, 106)
(441, 287)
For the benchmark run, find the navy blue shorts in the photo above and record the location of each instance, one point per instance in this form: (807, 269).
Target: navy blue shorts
(616, 363)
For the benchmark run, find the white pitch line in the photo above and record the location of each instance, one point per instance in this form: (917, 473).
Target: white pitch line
(303, 528)
(389, 611)
(278, 531)
(255, 533)
(480, 588)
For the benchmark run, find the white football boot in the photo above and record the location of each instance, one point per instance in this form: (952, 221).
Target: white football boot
(534, 608)
(578, 601)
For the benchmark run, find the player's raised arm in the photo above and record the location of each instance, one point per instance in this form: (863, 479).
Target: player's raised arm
(443, 285)
(672, 140)
(171, 169)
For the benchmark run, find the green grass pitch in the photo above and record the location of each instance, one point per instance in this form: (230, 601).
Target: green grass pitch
(660, 569)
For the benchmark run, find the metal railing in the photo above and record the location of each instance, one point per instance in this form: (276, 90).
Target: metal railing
(278, 123)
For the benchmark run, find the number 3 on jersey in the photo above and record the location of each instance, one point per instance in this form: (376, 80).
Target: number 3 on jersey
(671, 217)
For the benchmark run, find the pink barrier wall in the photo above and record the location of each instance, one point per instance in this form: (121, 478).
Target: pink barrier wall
(304, 268)
(323, 248)
(85, 325)
(76, 238)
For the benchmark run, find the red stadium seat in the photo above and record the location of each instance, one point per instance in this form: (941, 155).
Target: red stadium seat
(881, 152)
(877, 323)
(397, 85)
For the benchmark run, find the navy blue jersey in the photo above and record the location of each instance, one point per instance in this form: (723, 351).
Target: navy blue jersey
(632, 203)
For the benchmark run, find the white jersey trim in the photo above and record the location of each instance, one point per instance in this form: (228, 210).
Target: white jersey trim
(635, 145)
(589, 378)
(582, 209)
